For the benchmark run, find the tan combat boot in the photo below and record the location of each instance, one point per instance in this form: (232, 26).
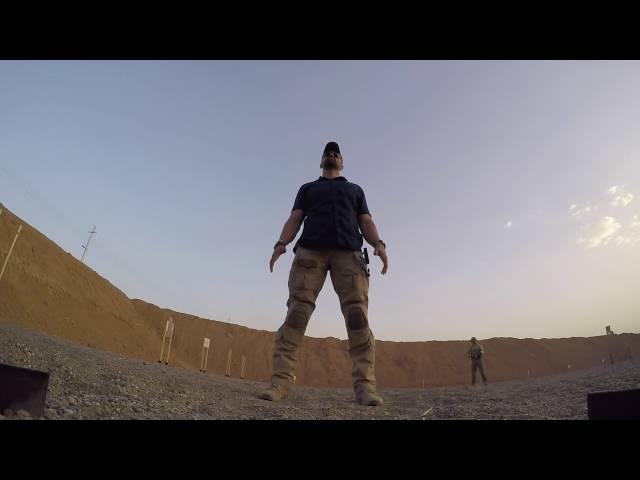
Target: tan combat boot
(369, 398)
(275, 393)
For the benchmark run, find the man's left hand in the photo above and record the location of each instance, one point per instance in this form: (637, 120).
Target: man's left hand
(381, 251)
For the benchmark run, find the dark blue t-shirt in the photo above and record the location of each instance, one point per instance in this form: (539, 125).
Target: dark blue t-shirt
(331, 209)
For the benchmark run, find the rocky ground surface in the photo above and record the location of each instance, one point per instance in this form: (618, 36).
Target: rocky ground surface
(90, 384)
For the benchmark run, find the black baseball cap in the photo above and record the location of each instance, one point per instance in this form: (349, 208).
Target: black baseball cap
(331, 147)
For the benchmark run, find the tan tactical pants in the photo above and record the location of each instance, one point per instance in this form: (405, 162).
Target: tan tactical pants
(476, 363)
(351, 282)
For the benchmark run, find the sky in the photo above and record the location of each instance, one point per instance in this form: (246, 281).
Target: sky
(507, 192)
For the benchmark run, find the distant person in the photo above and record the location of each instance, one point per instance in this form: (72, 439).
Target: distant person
(475, 354)
(336, 218)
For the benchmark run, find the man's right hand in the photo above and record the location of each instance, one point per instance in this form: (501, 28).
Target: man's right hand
(279, 250)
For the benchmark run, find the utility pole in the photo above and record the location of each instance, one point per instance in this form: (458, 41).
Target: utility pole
(87, 246)
(13, 244)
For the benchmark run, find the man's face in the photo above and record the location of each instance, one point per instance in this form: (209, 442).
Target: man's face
(332, 160)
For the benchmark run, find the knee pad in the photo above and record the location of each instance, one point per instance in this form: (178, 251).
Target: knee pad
(356, 319)
(298, 317)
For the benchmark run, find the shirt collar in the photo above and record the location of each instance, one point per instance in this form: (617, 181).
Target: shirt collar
(342, 179)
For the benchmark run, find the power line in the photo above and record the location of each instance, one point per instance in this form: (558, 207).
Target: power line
(87, 246)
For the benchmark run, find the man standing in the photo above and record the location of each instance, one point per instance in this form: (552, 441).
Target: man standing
(475, 354)
(336, 217)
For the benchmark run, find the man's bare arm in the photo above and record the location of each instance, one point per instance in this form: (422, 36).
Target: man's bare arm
(370, 233)
(289, 232)
(291, 226)
(369, 230)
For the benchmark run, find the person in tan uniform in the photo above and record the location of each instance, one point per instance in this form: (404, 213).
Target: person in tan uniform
(475, 354)
(336, 218)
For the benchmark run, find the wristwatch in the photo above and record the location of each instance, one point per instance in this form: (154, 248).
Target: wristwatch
(279, 242)
(383, 244)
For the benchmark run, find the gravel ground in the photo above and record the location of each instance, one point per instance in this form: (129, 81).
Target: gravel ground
(90, 384)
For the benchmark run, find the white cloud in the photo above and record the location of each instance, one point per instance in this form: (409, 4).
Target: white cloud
(607, 230)
(509, 224)
(622, 200)
(626, 240)
(578, 212)
(620, 240)
(618, 197)
(600, 233)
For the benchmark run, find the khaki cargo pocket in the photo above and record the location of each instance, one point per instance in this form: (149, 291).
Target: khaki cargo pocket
(346, 283)
(297, 280)
(304, 275)
(352, 288)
